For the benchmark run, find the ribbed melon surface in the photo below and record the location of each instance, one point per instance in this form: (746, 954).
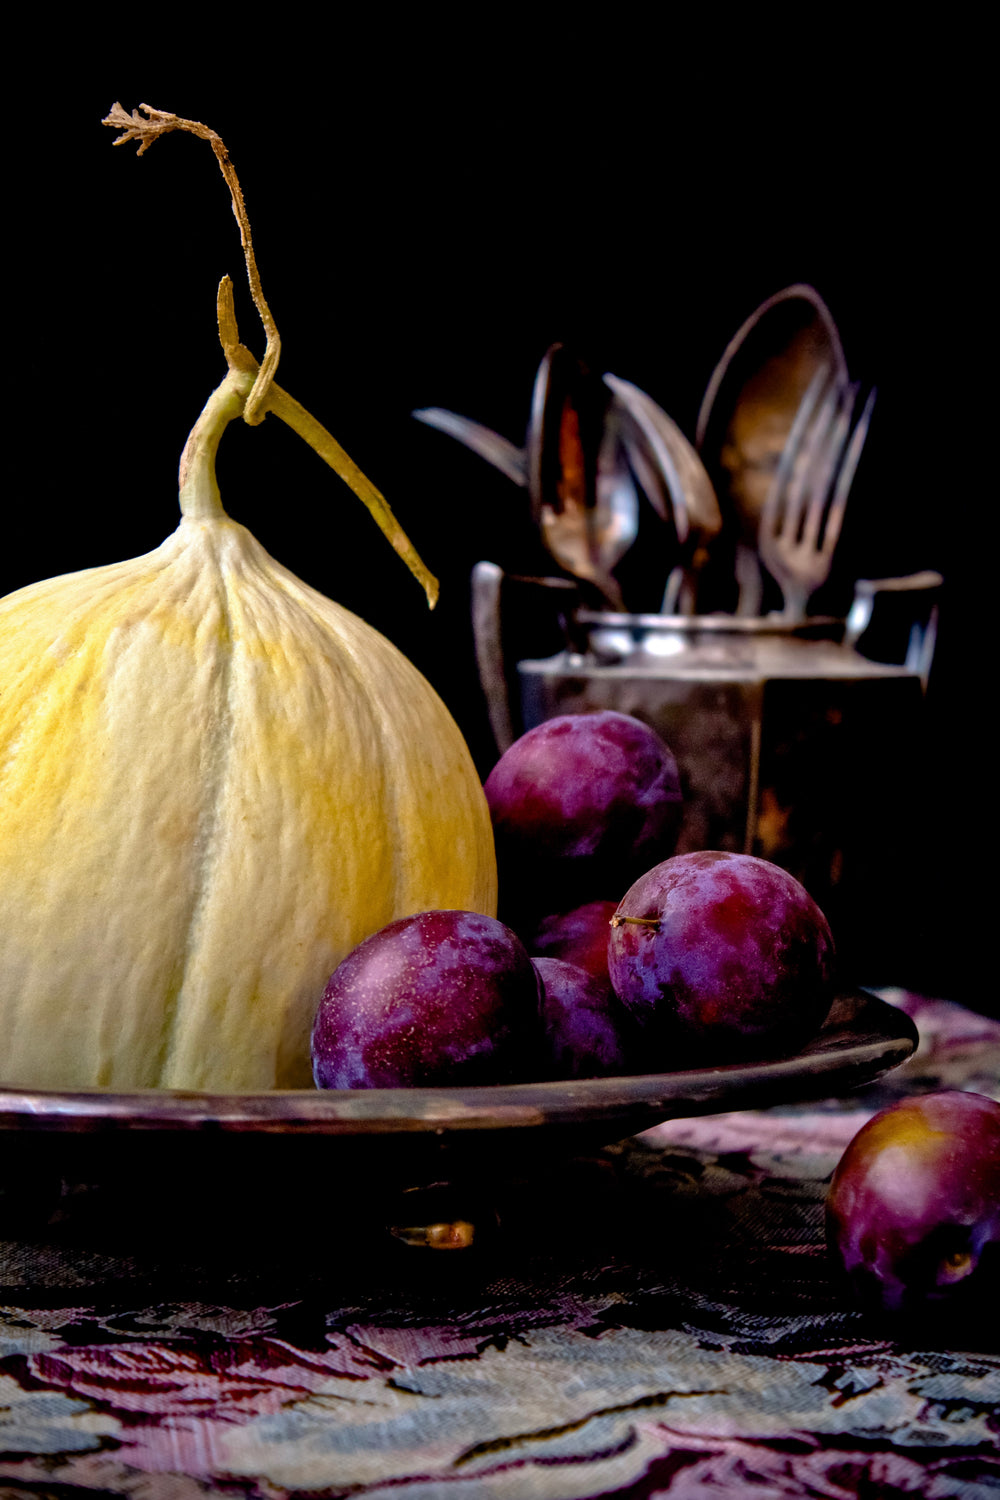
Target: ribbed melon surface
(214, 782)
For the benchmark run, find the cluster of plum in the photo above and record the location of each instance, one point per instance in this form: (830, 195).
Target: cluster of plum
(707, 956)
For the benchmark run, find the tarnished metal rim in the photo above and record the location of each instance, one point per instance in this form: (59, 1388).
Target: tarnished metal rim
(862, 1039)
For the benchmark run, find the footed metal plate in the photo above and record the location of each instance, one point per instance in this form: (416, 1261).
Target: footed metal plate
(862, 1038)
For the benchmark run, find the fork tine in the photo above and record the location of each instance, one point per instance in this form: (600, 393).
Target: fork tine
(845, 478)
(809, 464)
(771, 516)
(821, 477)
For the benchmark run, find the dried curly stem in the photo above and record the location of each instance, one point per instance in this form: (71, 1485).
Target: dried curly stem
(160, 122)
(239, 358)
(265, 394)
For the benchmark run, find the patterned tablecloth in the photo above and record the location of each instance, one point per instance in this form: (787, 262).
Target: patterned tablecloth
(659, 1319)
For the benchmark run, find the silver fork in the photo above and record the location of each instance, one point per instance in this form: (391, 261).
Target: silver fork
(804, 511)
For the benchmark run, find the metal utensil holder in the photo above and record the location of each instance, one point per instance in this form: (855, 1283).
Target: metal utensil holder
(796, 743)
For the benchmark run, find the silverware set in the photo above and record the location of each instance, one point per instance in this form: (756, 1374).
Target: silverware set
(779, 437)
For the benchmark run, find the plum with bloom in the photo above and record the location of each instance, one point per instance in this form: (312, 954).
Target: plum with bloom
(581, 804)
(725, 955)
(436, 999)
(587, 1031)
(913, 1211)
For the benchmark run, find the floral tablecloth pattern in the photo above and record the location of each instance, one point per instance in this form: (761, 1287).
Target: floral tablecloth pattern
(657, 1319)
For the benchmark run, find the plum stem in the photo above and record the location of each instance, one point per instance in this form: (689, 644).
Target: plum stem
(619, 921)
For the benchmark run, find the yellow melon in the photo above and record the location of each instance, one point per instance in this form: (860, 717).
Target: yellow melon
(214, 782)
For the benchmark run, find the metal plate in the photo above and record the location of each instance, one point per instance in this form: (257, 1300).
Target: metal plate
(336, 1160)
(862, 1038)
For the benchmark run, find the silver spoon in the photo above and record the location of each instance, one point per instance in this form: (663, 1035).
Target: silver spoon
(674, 466)
(498, 451)
(573, 465)
(749, 407)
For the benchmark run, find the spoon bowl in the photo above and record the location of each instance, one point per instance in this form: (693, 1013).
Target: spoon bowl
(749, 407)
(583, 497)
(676, 483)
(574, 465)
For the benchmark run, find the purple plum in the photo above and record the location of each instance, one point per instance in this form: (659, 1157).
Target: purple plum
(913, 1211)
(441, 998)
(579, 936)
(725, 955)
(581, 805)
(587, 1030)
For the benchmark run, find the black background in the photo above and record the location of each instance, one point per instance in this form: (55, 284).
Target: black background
(433, 204)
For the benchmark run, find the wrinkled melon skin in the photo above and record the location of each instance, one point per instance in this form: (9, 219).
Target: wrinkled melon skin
(214, 783)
